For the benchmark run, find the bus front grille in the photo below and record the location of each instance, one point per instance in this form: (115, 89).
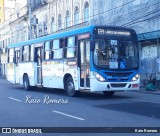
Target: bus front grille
(118, 74)
(118, 85)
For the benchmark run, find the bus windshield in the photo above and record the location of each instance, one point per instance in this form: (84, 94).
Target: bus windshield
(116, 54)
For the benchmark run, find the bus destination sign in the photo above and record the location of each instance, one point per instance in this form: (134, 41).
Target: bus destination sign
(113, 32)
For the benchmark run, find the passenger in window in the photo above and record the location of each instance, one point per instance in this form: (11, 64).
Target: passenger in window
(114, 55)
(62, 44)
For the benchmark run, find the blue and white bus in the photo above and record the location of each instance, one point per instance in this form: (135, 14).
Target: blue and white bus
(93, 58)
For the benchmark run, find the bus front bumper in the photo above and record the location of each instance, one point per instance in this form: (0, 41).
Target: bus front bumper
(113, 86)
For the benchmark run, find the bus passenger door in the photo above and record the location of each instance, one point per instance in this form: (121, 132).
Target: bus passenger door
(85, 64)
(17, 70)
(38, 53)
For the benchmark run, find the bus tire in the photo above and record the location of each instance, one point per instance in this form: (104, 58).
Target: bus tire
(26, 84)
(70, 89)
(108, 93)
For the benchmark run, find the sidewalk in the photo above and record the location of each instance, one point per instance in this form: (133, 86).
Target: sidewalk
(3, 77)
(143, 90)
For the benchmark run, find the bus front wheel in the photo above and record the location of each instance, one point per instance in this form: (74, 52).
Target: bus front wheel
(70, 89)
(26, 84)
(108, 93)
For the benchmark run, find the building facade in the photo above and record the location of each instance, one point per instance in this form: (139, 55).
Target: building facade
(50, 16)
(63, 14)
(9, 8)
(4, 42)
(13, 30)
(1, 11)
(43, 17)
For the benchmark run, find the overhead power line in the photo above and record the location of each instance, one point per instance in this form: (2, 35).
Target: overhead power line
(139, 19)
(130, 14)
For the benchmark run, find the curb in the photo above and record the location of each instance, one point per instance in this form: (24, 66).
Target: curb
(3, 77)
(147, 92)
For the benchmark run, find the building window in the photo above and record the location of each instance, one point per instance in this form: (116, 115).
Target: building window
(9, 41)
(67, 19)
(76, 15)
(136, 2)
(59, 22)
(86, 12)
(52, 25)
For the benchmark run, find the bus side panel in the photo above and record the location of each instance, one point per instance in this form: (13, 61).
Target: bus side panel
(16, 72)
(27, 68)
(10, 73)
(46, 72)
(32, 73)
(77, 84)
(71, 68)
(52, 73)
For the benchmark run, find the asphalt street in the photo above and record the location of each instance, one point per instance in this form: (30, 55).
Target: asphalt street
(53, 108)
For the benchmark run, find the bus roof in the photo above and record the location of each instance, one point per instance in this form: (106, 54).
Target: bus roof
(53, 36)
(58, 35)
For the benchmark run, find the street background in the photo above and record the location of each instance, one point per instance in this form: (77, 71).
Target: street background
(125, 109)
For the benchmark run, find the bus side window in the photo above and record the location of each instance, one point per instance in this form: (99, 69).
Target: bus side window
(8, 55)
(25, 53)
(32, 52)
(17, 57)
(62, 48)
(47, 51)
(21, 54)
(71, 50)
(51, 51)
(88, 51)
(57, 50)
(11, 55)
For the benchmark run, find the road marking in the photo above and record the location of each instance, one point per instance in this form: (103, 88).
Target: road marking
(15, 99)
(68, 115)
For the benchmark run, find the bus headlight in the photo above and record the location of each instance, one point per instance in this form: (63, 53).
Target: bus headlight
(98, 77)
(136, 77)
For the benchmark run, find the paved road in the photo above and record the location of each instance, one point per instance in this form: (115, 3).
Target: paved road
(53, 108)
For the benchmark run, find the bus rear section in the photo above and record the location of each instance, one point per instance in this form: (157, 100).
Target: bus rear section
(10, 74)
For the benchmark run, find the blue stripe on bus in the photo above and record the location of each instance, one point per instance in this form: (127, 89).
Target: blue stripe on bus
(54, 36)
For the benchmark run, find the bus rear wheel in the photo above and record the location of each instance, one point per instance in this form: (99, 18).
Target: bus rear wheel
(26, 84)
(108, 93)
(70, 89)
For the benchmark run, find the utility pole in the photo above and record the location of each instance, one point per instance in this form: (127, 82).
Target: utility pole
(30, 17)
